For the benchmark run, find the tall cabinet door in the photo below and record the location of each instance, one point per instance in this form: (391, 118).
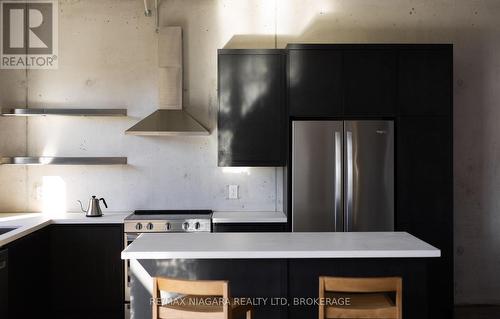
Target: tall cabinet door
(369, 176)
(425, 198)
(317, 176)
(252, 112)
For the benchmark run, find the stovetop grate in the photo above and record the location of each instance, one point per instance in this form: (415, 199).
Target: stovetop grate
(173, 212)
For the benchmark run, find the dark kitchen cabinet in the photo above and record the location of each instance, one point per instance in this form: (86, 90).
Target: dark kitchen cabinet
(29, 285)
(425, 198)
(413, 84)
(252, 116)
(250, 227)
(315, 82)
(86, 271)
(342, 80)
(66, 271)
(369, 81)
(4, 283)
(424, 169)
(426, 81)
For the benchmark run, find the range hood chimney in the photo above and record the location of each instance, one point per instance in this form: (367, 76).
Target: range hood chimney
(170, 119)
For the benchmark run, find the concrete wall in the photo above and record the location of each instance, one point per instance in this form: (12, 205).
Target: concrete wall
(108, 58)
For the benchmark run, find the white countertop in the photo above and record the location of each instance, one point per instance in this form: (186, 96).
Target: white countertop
(248, 217)
(278, 246)
(80, 218)
(30, 222)
(27, 223)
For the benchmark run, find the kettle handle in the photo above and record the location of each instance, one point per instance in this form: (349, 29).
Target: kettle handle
(104, 201)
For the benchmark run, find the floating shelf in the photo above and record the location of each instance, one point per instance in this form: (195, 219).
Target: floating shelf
(62, 112)
(46, 160)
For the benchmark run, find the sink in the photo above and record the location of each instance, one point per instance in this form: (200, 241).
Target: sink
(4, 230)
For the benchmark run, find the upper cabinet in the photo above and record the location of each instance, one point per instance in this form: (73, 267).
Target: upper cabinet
(369, 80)
(314, 82)
(260, 89)
(364, 80)
(426, 81)
(341, 80)
(252, 111)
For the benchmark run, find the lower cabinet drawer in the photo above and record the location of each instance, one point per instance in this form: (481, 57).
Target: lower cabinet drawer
(250, 227)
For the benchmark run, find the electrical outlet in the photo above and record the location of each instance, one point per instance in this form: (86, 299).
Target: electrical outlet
(232, 191)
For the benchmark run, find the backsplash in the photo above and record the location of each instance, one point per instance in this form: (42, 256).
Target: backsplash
(108, 59)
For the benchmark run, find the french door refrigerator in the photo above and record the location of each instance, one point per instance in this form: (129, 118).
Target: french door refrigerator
(342, 176)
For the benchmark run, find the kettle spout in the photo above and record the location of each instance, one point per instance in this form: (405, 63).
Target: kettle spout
(81, 206)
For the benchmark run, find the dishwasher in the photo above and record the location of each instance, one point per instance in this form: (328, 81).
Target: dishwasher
(4, 285)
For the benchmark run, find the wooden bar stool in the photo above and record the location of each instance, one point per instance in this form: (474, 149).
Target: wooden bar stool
(201, 299)
(368, 297)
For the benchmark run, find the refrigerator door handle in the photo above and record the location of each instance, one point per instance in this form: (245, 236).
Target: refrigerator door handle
(350, 184)
(338, 183)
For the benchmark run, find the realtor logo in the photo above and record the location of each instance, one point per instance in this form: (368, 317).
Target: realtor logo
(29, 34)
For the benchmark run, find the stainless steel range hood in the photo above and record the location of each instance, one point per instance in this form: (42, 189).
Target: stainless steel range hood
(170, 119)
(168, 123)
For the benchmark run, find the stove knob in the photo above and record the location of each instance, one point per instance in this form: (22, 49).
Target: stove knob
(149, 226)
(138, 226)
(168, 226)
(185, 226)
(197, 225)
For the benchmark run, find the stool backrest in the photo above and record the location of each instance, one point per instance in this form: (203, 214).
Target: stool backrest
(346, 284)
(194, 287)
(216, 288)
(361, 285)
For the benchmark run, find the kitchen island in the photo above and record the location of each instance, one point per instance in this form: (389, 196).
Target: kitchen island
(281, 265)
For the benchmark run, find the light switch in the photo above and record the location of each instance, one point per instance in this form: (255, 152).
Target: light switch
(232, 191)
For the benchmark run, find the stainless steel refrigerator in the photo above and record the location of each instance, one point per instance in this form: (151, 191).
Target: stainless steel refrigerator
(342, 176)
